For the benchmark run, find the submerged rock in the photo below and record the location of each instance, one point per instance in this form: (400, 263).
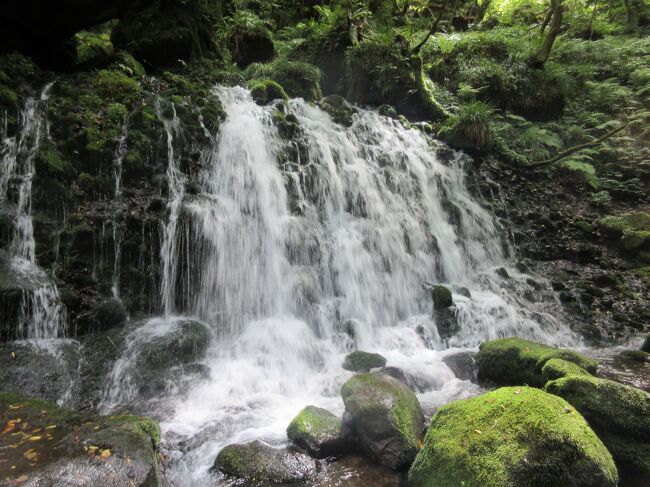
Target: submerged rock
(363, 361)
(61, 447)
(417, 382)
(356, 471)
(386, 417)
(620, 414)
(257, 461)
(318, 431)
(513, 436)
(512, 361)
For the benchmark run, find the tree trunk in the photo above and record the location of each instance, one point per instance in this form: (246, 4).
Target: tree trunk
(538, 60)
(417, 48)
(634, 10)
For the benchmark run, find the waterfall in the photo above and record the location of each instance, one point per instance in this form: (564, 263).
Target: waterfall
(176, 182)
(295, 252)
(118, 231)
(40, 309)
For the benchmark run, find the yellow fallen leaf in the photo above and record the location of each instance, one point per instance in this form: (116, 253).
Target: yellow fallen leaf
(517, 391)
(52, 426)
(35, 438)
(105, 453)
(478, 432)
(13, 354)
(31, 454)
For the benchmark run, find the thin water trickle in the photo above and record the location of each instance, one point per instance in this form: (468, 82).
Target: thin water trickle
(40, 310)
(295, 253)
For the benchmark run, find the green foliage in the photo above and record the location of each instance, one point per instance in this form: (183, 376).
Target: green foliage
(470, 127)
(601, 199)
(91, 45)
(579, 170)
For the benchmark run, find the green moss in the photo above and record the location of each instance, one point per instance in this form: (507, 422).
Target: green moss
(268, 90)
(631, 229)
(557, 367)
(512, 361)
(313, 421)
(8, 97)
(442, 297)
(93, 45)
(514, 437)
(299, 79)
(620, 414)
(33, 407)
(363, 361)
(50, 163)
(117, 86)
(362, 392)
(470, 127)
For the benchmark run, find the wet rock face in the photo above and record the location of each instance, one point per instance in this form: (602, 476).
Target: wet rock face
(486, 441)
(356, 471)
(260, 462)
(318, 431)
(363, 361)
(386, 418)
(463, 365)
(62, 447)
(51, 374)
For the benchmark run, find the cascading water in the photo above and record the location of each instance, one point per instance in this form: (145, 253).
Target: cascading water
(295, 252)
(39, 316)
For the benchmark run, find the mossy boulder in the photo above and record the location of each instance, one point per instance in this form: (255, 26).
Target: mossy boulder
(620, 414)
(556, 368)
(513, 361)
(250, 39)
(339, 109)
(441, 297)
(299, 79)
(57, 446)
(513, 436)
(318, 431)
(635, 355)
(386, 418)
(266, 91)
(631, 231)
(258, 462)
(363, 361)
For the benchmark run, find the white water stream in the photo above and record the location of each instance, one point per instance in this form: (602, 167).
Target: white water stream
(293, 261)
(40, 313)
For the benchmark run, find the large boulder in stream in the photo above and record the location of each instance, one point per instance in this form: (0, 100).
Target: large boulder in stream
(172, 356)
(259, 462)
(512, 437)
(363, 361)
(50, 446)
(620, 414)
(318, 431)
(386, 418)
(513, 361)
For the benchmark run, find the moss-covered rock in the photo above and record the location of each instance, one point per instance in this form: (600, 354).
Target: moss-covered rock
(299, 79)
(250, 39)
(441, 297)
(635, 355)
(386, 417)
(513, 361)
(339, 109)
(57, 446)
(620, 414)
(513, 436)
(556, 368)
(318, 431)
(266, 91)
(363, 361)
(259, 462)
